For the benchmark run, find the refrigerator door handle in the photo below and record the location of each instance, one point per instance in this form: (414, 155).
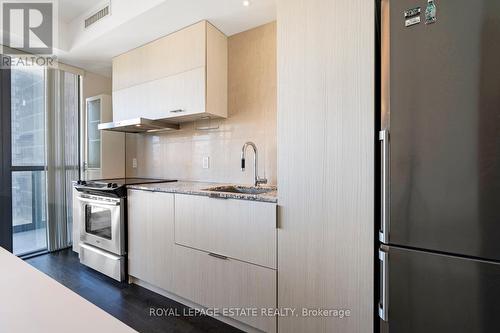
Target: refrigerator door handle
(385, 211)
(383, 305)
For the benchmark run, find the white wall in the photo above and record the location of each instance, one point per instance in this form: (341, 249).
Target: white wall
(94, 84)
(326, 140)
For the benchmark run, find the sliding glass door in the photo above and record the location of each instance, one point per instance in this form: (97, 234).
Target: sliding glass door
(39, 157)
(29, 217)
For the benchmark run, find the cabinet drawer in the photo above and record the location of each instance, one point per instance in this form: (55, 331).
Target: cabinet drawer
(225, 283)
(239, 229)
(157, 99)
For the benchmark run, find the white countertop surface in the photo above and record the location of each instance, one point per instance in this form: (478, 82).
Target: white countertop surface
(30, 301)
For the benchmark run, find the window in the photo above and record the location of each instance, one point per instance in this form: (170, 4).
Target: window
(28, 131)
(44, 157)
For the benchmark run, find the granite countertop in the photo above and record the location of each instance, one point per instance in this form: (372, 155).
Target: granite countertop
(199, 188)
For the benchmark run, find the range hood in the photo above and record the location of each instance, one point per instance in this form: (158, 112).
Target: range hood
(139, 125)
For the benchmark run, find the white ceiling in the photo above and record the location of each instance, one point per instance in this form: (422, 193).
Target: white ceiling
(133, 23)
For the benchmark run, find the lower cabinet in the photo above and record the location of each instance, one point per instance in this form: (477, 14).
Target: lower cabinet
(151, 237)
(235, 283)
(227, 285)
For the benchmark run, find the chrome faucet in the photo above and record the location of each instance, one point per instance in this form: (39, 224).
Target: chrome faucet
(255, 161)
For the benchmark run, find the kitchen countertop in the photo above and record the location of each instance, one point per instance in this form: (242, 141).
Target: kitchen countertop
(198, 188)
(33, 302)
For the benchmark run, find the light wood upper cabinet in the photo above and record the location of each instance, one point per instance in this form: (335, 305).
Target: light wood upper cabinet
(151, 237)
(182, 76)
(173, 54)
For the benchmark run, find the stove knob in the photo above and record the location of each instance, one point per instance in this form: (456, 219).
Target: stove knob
(82, 182)
(109, 185)
(115, 185)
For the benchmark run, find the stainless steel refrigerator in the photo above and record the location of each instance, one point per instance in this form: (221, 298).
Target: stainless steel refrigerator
(440, 146)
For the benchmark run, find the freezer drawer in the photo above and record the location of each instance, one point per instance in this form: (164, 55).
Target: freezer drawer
(429, 293)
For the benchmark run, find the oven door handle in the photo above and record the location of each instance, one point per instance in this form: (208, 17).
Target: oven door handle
(98, 202)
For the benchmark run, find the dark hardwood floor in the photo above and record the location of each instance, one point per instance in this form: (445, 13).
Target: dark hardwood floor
(129, 303)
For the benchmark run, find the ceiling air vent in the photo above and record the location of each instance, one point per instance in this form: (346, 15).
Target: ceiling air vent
(97, 16)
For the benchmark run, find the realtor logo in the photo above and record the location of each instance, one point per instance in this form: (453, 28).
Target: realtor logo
(28, 27)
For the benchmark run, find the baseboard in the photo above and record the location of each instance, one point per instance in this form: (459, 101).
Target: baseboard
(239, 325)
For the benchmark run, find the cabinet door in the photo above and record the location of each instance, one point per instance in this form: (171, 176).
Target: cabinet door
(151, 237)
(172, 96)
(93, 134)
(176, 53)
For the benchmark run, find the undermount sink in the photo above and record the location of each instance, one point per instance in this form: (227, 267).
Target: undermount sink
(241, 189)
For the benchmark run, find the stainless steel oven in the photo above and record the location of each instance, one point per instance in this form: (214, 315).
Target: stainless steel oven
(103, 222)
(100, 218)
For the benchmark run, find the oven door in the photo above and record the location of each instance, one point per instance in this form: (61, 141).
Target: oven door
(102, 222)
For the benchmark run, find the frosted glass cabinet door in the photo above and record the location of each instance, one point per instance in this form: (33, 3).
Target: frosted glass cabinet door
(93, 134)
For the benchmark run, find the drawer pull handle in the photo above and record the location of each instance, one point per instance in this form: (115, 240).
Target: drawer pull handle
(177, 111)
(218, 256)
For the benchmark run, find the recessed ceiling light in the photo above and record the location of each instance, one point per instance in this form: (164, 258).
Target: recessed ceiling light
(246, 3)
